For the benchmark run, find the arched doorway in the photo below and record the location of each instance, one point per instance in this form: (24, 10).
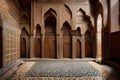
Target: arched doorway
(37, 45)
(88, 44)
(23, 48)
(67, 41)
(24, 39)
(99, 36)
(78, 49)
(50, 34)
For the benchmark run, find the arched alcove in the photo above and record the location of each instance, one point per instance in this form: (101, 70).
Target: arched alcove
(24, 19)
(99, 36)
(88, 44)
(67, 40)
(78, 32)
(1, 44)
(50, 34)
(24, 44)
(78, 49)
(37, 42)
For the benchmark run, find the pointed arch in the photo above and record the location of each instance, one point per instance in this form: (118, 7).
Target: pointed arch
(68, 10)
(24, 32)
(24, 41)
(38, 30)
(80, 13)
(50, 12)
(50, 34)
(78, 31)
(50, 22)
(66, 26)
(82, 17)
(24, 19)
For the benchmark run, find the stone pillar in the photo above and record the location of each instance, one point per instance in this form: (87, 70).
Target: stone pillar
(59, 46)
(31, 46)
(42, 45)
(32, 31)
(27, 47)
(83, 47)
(73, 46)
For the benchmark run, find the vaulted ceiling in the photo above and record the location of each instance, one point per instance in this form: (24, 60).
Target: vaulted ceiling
(24, 2)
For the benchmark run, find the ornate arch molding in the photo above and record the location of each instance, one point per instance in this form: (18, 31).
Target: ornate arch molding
(68, 10)
(78, 31)
(68, 26)
(24, 18)
(25, 30)
(50, 12)
(86, 18)
(37, 30)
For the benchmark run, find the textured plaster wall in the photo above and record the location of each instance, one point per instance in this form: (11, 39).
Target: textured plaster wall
(115, 16)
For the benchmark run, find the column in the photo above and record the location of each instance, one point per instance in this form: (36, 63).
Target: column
(42, 45)
(59, 46)
(83, 46)
(31, 46)
(73, 46)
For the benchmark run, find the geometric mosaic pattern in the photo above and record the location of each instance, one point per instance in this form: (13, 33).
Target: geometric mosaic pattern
(62, 69)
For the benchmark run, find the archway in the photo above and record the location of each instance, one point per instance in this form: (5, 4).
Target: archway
(24, 44)
(1, 46)
(78, 49)
(37, 45)
(67, 41)
(88, 44)
(50, 34)
(99, 40)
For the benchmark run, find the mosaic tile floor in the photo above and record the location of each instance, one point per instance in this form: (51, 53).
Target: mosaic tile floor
(60, 70)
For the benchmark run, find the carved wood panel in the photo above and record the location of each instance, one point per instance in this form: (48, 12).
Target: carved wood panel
(37, 48)
(88, 49)
(50, 47)
(67, 47)
(78, 49)
(22, 48)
